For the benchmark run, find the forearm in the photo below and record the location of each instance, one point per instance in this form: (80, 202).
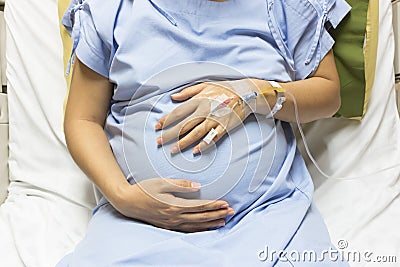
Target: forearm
(89, 147)
(312, 101)
(316, 97)
(87, 108)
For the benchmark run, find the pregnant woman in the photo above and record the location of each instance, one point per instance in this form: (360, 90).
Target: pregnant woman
(194, 172)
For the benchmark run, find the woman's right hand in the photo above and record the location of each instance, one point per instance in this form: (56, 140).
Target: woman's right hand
(153, 202)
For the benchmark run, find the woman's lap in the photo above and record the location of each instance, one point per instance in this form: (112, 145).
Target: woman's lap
(290, 224)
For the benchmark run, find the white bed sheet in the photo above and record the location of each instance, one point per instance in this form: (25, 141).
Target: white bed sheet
(37, 228)
(50, 199)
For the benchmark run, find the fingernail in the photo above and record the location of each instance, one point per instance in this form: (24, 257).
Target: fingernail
(174, 149)
(176, 94)
(159, 141)
(231, 212)
(195, 185)
(224, 206)
(196, 150)
(221, 224)
(158, 126)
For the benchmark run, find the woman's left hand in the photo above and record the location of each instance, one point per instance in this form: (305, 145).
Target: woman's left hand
(214, 106)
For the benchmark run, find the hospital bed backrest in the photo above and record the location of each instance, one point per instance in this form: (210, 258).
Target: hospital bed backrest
(396, 30)
(3, 80)
(3, 112)
(3, 147)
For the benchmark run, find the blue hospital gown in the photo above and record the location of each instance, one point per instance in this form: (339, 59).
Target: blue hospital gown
(151, 49)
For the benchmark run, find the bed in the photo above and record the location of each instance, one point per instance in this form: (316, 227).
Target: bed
(47, 200)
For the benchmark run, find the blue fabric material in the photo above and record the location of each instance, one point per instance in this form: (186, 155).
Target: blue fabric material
(151, 49)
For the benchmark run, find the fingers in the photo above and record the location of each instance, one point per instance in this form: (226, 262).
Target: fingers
(189, 205)
(201, 221)
(178, 113)
(180, 129)
(189, 92)
(224, 126)
(199, 227)
(199, 205)
(150, 204)
(181, 186)
(207, 216)
(198, 132)
(203, 146)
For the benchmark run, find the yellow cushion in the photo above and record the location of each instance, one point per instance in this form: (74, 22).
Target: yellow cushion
(66, 40)
(371, 48)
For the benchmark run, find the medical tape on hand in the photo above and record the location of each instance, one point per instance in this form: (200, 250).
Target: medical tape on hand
(243, 89)
(210, 136)
(219, 105)
(280, 97)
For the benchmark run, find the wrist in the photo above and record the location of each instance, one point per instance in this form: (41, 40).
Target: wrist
(264, 101)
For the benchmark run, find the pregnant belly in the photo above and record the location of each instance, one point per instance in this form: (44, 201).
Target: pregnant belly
(239, 167)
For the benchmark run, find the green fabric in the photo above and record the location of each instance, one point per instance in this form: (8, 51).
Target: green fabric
(348, 50)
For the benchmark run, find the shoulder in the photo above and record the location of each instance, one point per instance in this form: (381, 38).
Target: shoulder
(335, 10)
(104, 14)
(303, 27)
(103, 10)
(101, 13)
(93, 18)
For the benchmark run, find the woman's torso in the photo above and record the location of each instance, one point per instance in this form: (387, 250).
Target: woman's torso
(165, 45)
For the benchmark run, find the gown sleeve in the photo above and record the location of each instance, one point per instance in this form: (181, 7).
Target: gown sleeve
(300, 29)
(91, 43)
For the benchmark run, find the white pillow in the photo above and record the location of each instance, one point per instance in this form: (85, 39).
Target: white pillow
(36, 90)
